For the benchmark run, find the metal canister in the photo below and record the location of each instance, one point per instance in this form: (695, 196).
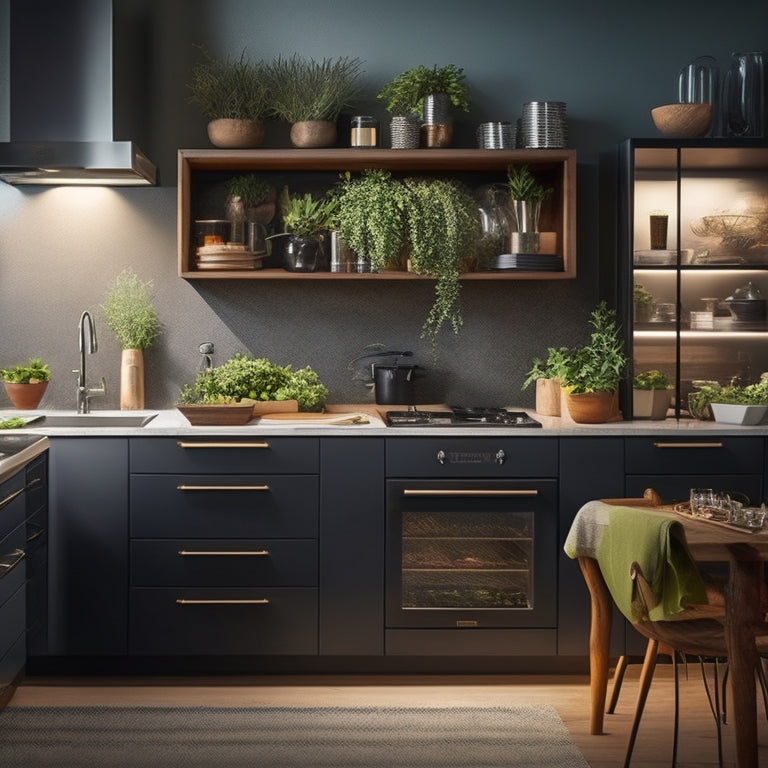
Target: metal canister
(364, 131)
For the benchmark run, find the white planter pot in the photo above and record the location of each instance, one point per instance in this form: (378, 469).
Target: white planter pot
(748, 415)
(650, 403)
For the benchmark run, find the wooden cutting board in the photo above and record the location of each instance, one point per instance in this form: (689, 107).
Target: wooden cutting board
(328, 418)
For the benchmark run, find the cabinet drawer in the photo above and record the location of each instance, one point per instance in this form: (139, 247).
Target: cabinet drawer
(12, 619)
(12, 563)
(12, 509)
(680, 455)
(212, 506)
(224, 563)
(471, 457)
(285, 624)
(12, 663)
(236, 455)
(37, 485)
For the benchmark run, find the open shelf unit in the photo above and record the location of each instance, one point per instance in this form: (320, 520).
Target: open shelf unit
(202, 176)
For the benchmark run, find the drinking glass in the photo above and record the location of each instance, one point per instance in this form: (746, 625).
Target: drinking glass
(702, 501)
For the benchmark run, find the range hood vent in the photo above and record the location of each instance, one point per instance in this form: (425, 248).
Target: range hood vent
(61, 99)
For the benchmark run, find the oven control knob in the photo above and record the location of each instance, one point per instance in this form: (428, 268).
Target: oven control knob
(501, 457)
(441, 457)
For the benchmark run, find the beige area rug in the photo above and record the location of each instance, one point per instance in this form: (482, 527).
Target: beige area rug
(283, 737)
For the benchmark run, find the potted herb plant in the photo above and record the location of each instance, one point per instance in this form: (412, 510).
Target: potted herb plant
(590, 374)
(740, 404)
(526, 195)
(430, 92)
(26, 383)
(132, 317)
(311, 95)
(546, 375)
(234, 95)
(307, 220)
(650, 395)
(257, 196)
(642, 304)
(370, 216)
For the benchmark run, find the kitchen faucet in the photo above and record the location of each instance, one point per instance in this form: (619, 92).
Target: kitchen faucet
(84, 392)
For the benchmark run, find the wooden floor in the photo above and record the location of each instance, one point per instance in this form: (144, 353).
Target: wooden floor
(568, 694)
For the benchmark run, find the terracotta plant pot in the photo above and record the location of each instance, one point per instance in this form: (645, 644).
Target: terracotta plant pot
(233, 134)
(313, 133)
(592, 407)
(650, 403)
(26, 397)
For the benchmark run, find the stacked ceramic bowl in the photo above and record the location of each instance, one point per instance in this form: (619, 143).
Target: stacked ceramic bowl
(543, 124)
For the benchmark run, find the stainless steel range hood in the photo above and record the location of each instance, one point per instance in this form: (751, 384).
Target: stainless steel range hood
(61, 99)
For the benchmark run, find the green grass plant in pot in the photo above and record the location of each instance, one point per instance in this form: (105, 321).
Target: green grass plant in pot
(545, 374)
(26, 383)
(526, 195)
(650, 395)
(132, 317)
(307, 221)
(590, 374)
(234, 95)
(310, 95)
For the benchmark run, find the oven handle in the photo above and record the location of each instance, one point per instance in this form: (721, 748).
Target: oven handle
(522, 492)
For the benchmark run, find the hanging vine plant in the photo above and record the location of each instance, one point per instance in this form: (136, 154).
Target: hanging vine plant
(443, 232)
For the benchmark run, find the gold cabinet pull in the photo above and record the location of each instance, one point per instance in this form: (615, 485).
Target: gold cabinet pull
(10, 497)
(185, 444)
(10, 561)
(468, 492)
(233, 553)
(222, 487)
(256, 601)
(687, 445)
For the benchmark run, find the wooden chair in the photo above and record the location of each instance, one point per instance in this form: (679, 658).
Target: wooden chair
(696, 631)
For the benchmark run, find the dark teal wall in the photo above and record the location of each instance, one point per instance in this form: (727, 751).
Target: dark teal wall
(610, 62)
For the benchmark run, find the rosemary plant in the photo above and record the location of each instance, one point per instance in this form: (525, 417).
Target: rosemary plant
(304, 89)
(130, 313)
(230, 88)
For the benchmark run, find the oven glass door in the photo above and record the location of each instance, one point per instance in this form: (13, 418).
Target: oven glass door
(471, 553)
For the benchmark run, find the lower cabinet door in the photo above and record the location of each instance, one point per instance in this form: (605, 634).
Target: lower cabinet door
(237, 621)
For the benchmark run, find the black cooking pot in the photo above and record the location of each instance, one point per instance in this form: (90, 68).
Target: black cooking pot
(394, 384)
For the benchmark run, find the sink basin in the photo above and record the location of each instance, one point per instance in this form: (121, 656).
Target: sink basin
(95, 420)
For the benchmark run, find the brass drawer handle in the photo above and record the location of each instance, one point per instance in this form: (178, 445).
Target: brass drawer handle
(242, 553)
(222, 487)
(463, 492)
(687, 445)
(10, 561)
(184, 444)
(10, 497)
(257, 601)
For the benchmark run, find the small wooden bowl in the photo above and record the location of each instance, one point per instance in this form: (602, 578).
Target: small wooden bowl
(682, 121)
(236, 414)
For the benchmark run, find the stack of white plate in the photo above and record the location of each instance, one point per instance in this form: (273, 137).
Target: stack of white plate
(543, 124)
(227, 256)
(655, 257)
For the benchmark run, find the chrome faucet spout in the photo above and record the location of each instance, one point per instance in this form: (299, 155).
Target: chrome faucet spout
(84, 392)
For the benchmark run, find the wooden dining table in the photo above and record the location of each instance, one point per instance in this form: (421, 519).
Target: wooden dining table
(745, 552)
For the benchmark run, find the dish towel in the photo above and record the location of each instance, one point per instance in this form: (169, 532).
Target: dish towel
(623, 538)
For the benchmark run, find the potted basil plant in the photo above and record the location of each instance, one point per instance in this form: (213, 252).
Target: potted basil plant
(26, 383)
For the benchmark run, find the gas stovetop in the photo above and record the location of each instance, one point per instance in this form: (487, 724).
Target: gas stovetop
(461, 417)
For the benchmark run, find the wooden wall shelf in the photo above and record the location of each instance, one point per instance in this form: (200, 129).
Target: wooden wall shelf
(200, 171)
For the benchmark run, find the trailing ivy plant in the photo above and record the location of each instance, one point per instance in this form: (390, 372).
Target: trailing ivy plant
(443, 231)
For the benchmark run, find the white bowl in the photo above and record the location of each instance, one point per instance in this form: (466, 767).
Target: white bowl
(748, 415)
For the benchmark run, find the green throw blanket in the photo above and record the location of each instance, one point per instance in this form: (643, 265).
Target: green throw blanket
(619, 537)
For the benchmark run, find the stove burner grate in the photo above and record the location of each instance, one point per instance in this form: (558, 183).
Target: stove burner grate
(461, 417)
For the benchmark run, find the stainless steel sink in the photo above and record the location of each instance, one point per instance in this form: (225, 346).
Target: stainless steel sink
(95, 420)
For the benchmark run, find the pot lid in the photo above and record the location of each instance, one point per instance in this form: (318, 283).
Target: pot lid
(748, 292)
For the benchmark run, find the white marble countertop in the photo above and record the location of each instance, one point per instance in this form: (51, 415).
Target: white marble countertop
(170, 422)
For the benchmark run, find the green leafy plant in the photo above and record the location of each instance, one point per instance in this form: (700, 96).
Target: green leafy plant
(130, 312)
(405, 92)
(551, 368)
(370, 216)
(245, 377)
(306, 215)
(15, 422)
(230, 88)
(443, 229)
(251, 188)
(640, 295)
(599, 365)
(523, 185)
(32, 372)
(652, 379)
(305, 89)
(738, 394)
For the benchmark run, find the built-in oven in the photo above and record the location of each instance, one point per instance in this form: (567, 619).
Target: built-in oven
(472, 547)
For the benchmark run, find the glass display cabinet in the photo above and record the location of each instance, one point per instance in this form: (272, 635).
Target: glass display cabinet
(693, 261)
